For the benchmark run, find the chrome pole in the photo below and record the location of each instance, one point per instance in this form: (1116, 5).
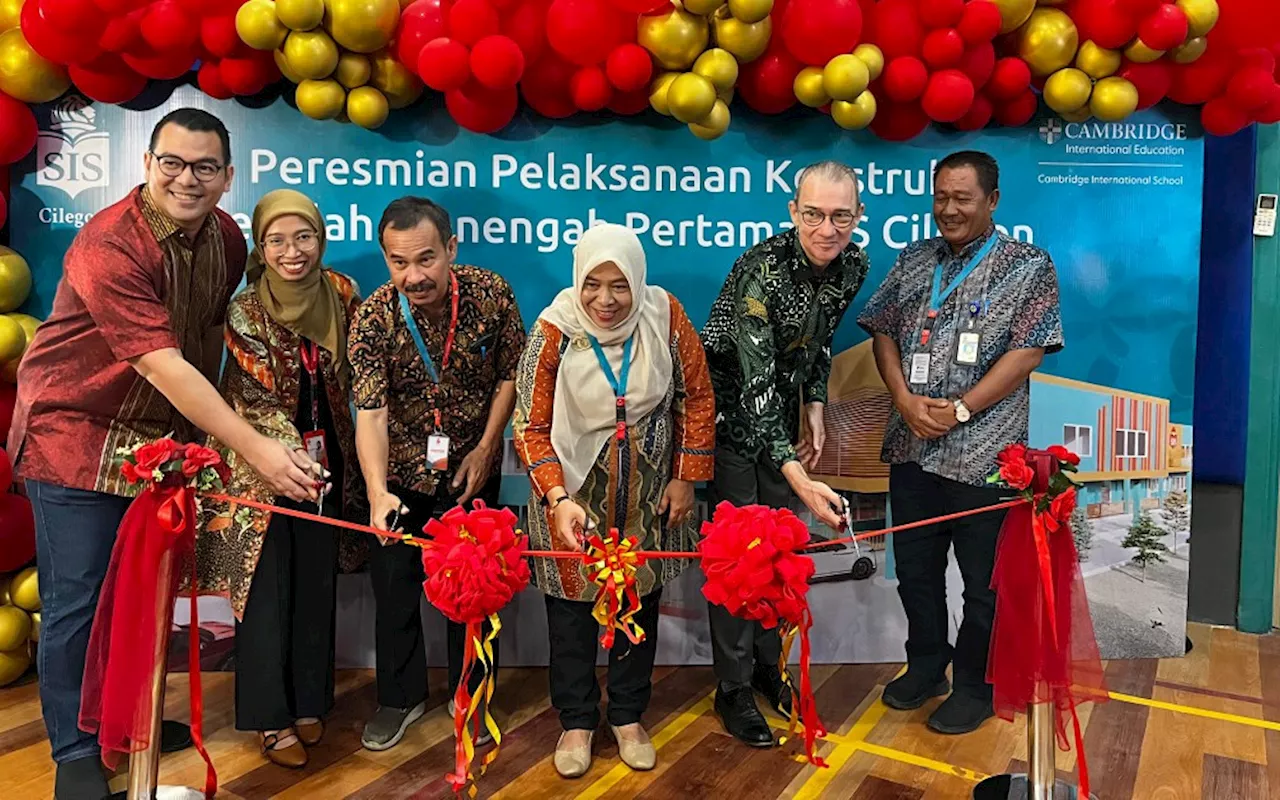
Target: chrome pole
(1041, 770)
(144, 765)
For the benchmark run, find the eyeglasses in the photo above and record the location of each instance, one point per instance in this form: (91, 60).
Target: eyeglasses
(172, 167)
(842, 220)
(303, 242)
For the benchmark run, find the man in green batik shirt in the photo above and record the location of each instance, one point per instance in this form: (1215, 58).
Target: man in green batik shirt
(768, 345)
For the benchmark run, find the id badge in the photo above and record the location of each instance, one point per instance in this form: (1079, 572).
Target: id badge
(919, 368)
(967, 347)
(313, 442)
(438, 451)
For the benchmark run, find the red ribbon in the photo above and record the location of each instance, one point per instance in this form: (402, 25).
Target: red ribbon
(134, 612)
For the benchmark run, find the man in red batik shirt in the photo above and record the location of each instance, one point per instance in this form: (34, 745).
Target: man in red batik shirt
(128, 354)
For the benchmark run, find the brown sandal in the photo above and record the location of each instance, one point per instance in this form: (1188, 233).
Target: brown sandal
(293, 756)
(309, 733)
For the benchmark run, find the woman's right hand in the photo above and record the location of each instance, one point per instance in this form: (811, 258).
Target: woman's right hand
(570, 519)
(383, 506)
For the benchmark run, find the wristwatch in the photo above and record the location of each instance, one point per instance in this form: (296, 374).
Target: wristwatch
(962, 411)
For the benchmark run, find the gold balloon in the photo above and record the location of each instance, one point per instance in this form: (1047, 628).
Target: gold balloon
(870, 55)
(1047, 42)
(24, 591)
(702, 7)
(28, 324)
(320, 99)
(808, 87)
(1013, 13)
(1067, 90)
(658, 92)
(394, 80)
(4, 590)
(367, 107)
(691, 98)
(258, 25)
(353, 70)
(312, 55)
(35, 626)
(845, 77)
(300, 15)
(747, 41)
(726, 96)
(750, 11)
(25, 75)
(10, 14)
(13, 664)
(15, 627)
(12, 340)
(675, 39)
(1081, 115)
(1189, 51)
(363, 26)
(1113, 99)
(1097, 62)
(718, 66)
(15, 279)
(1202, 15)
(282, 64)
(1052, 2)
(1139, 53)
(856, 115)
(714, 124)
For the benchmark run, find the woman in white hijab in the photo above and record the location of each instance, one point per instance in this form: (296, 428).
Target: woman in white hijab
(615, 419)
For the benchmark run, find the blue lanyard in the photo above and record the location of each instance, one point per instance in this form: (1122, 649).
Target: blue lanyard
(937, 296)
(618, 382)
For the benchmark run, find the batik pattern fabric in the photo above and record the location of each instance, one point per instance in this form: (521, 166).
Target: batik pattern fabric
(1010, 299)
(768, 342)
(676, 441)
(262, 382)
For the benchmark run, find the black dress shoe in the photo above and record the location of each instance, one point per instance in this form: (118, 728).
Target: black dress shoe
(768, 682)
(960, 713)
(82, 779)
(174, 736)
(740, 716)
(914, 689)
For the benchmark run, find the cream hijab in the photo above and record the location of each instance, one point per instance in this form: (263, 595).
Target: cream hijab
(584, 415)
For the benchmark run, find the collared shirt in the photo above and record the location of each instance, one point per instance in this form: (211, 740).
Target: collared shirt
(1015, 293)
(387, 371)
(768, 342)
(132, 283)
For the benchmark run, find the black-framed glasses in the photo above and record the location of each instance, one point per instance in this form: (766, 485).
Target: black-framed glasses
(172, 167)
(842, 220)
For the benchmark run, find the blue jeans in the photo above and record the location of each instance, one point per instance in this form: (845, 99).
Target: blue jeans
(75, 531)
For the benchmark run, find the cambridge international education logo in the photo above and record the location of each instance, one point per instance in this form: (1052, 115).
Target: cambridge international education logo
(1050, 130)
(73, 155)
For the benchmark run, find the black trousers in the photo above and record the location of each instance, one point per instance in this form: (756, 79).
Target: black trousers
(575, 691)
(396, 570)
(921, 558)
(738, 645)
(284, 646)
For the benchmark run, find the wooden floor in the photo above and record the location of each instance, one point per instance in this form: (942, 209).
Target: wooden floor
(1204, 726)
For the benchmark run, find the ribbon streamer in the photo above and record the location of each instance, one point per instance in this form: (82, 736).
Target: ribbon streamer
(467, 726)
(804, 709)
(612, 562)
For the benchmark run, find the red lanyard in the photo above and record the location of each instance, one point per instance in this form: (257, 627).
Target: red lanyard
(453, 323)
(311, 362)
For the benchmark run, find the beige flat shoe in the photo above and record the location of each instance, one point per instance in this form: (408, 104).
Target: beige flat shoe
(573, 762)
(640, 756)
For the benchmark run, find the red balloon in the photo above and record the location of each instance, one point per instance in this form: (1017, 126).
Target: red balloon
(1243, 24)
(1201, 80)
(1163, 29)
(904, 79)
(1017, 112)
(71, 16)
(590, 89)
(767, 84)
(526, 24)
(504, 5)
(978, 115)
(167, 27)
(1221, 118)
(629, 68)
(122, 34)
(1258, 57)
(586, 31)
(816, 31)
(497, 62)
(943, 48)
(896, 28)
(1103, 23)
(472, 20)
(219, 37)
(948, 96)
(979, 63)
(209, 79)
(898, 122)
(641, 7)
(160, 66)
(248, 76)
(941, 13)
(980, 22)
(107, 79)
(1138, 8)
(628, 104)
(18, 129)
(1151, 80)
(1269, 114)
(4, 215)
(199, 9)
(545, 87)
(17, 532)
(115, 7)
(444, 64)
(55, 44)
(481, 110)
(420, 22)
(1250, 88)
(8, 399)
(1010, 78)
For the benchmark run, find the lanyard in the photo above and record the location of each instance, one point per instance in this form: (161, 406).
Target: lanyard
(618, 382)
(310, 352)
(417, 335)
(937, 296)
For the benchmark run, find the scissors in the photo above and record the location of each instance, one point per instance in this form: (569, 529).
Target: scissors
(323, 490)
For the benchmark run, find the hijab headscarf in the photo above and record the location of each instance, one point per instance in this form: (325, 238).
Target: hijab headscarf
(584, 415)
(310, 306)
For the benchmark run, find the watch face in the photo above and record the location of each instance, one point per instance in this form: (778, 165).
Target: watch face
(962, 413)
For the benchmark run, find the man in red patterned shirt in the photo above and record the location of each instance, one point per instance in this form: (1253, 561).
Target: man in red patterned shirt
(128, 354)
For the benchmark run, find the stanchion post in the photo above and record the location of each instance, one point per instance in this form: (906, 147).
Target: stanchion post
(1042, 772)
(144, 765)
